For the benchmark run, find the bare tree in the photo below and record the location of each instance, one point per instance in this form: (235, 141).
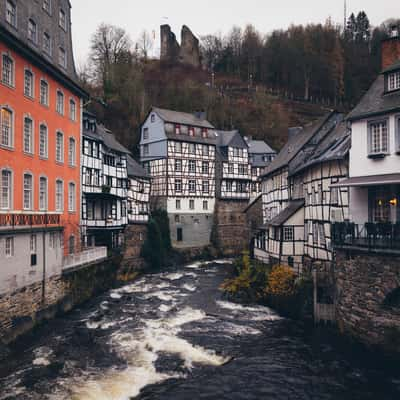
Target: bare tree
(145, 44)
(109, 46)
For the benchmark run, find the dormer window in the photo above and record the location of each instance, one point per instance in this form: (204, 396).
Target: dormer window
(177, 129)
(191, 131)
(394, 81)
(204, 133)
(153, 118)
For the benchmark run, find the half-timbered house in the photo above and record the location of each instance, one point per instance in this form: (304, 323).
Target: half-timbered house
(233, 167)
(285, 194)
(178, 151)
(104, 185)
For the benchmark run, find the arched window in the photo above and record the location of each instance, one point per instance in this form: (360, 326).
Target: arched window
(29, 83)
(59, 195)
(71, 197)
(6, 189)
(60, 102)
(44, 92)
(43, 193)
(72, 152)
(7, 127)
(43, 141)
(28, 135)
(72, 110)
(8, 70)
(60, 147)
(28, 192)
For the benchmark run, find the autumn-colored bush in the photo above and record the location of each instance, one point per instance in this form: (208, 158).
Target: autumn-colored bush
(281, 281)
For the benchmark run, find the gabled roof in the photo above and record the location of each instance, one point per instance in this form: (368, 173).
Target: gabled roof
(376, 101)
(290, 210)
(178, 117)
(231, 139)
(135, 169)
(335, 146)
(110, 141)
(259, 147)
(295, 144)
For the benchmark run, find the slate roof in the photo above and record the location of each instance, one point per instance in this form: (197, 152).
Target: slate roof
(109, 140)
(376, 101)
(259, 147)
(232, 139)
(295, 144)
(290, 210)
(183, 118)
(335, 146)
(135, 169)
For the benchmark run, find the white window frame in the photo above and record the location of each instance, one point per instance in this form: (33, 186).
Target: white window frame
(375, 148)
(10, 133)
(192, 166)
(393, 80)
(205, 205)
(60, 152)
(43, 144)
(145, 133)
(62, 57)
(34, 38)
(59, 195)
(41, 97)
(48, 50)
(178, 185)
(9, 194)
(60, 106)
(10, 81)
(205, 187)
(72, 152)
(29, 191)
(178, 204)
(30, 138)
(288, 233)
(43, 193)
(71, 197)
(178, 147)
(178, 165)
(146, 149)
(31, 93)
(9, 247)
(191, 204)
(205, 167)
(72, 110)
(192, 186)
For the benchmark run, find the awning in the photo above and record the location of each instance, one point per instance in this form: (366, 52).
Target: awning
(372, 180)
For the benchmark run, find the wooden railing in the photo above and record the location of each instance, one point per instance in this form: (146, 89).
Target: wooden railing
(14, 220)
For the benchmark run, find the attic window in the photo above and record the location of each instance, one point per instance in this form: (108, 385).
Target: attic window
(153, 118)
(177, 129)
(394, 81)
(204, 133)
(191, 131)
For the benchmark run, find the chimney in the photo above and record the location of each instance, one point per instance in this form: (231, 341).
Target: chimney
(391, 48)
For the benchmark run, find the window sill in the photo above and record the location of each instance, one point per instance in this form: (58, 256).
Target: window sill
(5, 147)
(10, 86)
(31, 98)
(44, 158)
(28, 154)
(377, 156)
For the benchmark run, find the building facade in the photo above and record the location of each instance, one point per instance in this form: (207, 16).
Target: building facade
(178, 151)
(298, 202)
(104, 186)
(40, 107)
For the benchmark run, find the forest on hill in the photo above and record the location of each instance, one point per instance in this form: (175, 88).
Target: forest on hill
(259, 84)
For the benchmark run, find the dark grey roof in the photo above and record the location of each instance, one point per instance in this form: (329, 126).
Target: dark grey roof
(370, 180)
(232, 139)
(295, 144)
(259, 147)
(376, 101)
(135, 169)
(290, 210)
(183, 118)
(335, 146)
(110, 141)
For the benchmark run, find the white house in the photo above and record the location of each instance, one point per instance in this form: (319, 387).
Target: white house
(177, 149)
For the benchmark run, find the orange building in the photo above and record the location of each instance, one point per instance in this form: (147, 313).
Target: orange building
(40, 141)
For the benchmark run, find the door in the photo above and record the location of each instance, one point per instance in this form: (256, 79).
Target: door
(179, 234)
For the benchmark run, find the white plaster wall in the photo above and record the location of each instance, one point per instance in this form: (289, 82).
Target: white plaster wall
(359, 205)
(198, 205)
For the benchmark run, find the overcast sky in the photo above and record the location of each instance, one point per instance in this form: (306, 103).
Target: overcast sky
(212, 16)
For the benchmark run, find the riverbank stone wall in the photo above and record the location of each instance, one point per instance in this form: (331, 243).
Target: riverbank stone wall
(367, 298)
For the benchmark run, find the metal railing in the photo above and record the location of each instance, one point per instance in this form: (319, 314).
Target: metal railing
(14, 220)
(85, 257)
(372, 236)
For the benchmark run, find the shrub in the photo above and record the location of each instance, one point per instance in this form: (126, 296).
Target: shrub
(281, 282)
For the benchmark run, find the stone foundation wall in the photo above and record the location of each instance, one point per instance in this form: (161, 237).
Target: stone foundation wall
(363, 282)
(231, 231)
(22, 310)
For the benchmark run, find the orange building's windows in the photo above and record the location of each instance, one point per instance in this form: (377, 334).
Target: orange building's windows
(44, 92)
(60, 102)
(59, 195)
(7, 127)
(6, 189)
(7, 74)
(43, 193)
(60, 147)
(71, 197)
(29, 83)
(43, 141)
(72, 110)
(28, 192)
(28, 135)
(71, 152)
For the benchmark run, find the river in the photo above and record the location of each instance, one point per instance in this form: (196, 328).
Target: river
(171, 335)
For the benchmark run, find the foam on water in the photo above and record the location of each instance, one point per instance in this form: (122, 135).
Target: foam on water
(174, 277)
(42, 355)
(190, 288)
(253, 313)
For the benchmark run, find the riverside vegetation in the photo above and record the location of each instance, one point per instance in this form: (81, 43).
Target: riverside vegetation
(276, 286)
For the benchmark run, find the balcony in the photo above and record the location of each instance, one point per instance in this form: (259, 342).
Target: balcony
(370, 237)
(76, 261)
(11, 220)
